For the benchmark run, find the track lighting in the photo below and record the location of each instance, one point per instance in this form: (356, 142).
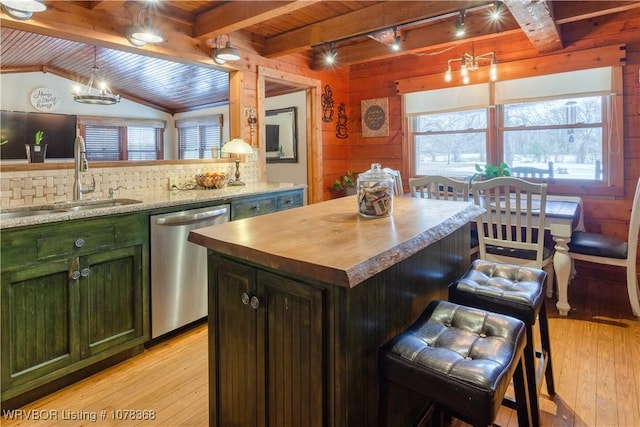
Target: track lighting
(22, 9)
(330, 57)
(227, 53)
(496, 12)
(460, 29)
(395, 46)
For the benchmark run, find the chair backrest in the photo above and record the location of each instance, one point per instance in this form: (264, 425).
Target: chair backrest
(513, 220)
(439, 187)
(531, 172)
(634, 226)
(398, 188)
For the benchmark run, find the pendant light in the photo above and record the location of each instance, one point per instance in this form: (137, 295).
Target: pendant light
(98, 95)
(22, 9)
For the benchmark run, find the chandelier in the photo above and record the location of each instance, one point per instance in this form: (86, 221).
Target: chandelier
(471, 62)
(98, 95)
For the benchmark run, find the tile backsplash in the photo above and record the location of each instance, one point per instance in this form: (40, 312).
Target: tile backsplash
(50, 186)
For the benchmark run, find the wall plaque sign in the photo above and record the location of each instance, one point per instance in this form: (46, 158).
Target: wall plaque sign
(45, 99)
(375, 117)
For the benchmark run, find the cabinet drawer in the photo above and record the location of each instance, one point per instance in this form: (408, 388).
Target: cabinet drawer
(72, 238)
(246, 208)
(290, 200)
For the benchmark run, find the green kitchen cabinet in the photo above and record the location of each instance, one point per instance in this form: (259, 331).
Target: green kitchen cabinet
(72, 294)
(255, 317)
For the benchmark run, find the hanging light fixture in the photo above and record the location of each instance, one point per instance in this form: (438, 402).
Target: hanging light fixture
(395, 46)
(471, 62)
(101, 94)
(139, 35)
(22, 9)
(226, 53)
(460, 29)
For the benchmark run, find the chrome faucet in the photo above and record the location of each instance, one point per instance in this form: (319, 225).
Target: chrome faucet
(81, 165)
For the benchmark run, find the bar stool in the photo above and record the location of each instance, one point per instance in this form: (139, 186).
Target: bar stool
(461, 358)
(517, 292)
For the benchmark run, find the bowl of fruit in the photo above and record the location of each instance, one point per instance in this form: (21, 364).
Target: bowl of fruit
(212, 179)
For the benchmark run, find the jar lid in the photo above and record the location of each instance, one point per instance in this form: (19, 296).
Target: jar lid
(376, 173)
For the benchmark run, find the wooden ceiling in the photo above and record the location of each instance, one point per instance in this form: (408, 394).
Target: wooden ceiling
(179, 75)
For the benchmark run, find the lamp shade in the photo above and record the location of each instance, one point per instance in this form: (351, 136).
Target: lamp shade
(237, 146)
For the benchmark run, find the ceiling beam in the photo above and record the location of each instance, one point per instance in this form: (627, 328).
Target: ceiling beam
(235, 16)
(363, 21)
(567, 11)
(536, 20)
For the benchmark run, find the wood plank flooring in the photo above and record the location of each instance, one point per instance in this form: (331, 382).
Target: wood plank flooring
(596, 355)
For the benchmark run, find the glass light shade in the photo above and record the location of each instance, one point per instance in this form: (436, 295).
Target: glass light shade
(447, 74)
(237, 146)
(493, 72)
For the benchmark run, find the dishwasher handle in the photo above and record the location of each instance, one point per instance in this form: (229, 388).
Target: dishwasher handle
(184, 219)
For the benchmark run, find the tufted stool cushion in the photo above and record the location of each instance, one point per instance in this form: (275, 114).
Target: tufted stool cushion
(462, 358)
(504, 288)
(518, 292)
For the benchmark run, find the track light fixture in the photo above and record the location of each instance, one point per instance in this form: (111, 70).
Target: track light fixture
(227, 53)
(101, 94)
(139, 35)
(496, 12)
(471, 62)
(22, 9)
(395, 46)
(460, 29)
(330, 56)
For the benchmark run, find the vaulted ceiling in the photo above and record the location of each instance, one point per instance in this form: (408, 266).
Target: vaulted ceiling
(179, 75)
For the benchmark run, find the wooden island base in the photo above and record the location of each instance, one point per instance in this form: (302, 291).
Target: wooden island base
(290, 349)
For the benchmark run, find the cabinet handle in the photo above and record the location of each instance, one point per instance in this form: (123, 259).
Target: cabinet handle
(75, 275)
(79, 243)
(257, 207)
(288, 201)
(85, 272)
(245, 298)
(255, 302)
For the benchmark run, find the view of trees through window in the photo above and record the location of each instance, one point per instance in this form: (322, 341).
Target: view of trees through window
(560, 138)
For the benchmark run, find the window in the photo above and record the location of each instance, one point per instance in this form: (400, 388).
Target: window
(109, 139)
(200, 138)
(565, 129)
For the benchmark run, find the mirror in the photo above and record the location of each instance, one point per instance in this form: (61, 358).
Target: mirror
(281, 131)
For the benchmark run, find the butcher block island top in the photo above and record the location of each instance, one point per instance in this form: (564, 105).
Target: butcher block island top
(330, 242)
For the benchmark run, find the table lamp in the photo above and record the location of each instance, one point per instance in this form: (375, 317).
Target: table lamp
(237, 146)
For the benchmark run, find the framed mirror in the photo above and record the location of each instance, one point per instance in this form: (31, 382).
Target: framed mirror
(281, 131)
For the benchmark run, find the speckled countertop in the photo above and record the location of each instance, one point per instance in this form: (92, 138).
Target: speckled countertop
(148, 201)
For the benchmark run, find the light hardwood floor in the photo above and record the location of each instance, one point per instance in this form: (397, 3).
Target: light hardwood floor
(596, 354)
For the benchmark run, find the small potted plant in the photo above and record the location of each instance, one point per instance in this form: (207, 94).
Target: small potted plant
(36, 152)
(345, 183)
(489, 171)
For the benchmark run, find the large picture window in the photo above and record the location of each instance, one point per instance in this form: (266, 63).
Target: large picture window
(200, 138)
(564, 129)
(109, 139)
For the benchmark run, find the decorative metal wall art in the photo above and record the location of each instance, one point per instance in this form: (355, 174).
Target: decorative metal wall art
(327, 105)
(341, 124)
(375, 117)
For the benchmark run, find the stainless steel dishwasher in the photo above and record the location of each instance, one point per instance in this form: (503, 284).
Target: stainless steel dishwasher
(179, 267)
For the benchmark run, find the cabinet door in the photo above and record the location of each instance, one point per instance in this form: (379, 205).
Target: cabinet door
(112, 298)
(291, 331)
(236, 397)
(39, 318)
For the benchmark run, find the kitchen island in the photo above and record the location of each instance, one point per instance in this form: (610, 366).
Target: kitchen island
(300, 301)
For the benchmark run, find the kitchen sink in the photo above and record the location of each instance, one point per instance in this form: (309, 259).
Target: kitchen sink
(94, 204)
(73, 206)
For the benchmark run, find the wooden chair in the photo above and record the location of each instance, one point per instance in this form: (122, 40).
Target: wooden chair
(603, 249)
(443, 188)
(512, 228)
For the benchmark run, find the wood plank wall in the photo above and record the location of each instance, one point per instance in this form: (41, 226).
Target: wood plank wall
(377, 80)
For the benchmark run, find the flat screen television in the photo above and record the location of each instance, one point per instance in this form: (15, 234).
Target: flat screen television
(19, 128)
